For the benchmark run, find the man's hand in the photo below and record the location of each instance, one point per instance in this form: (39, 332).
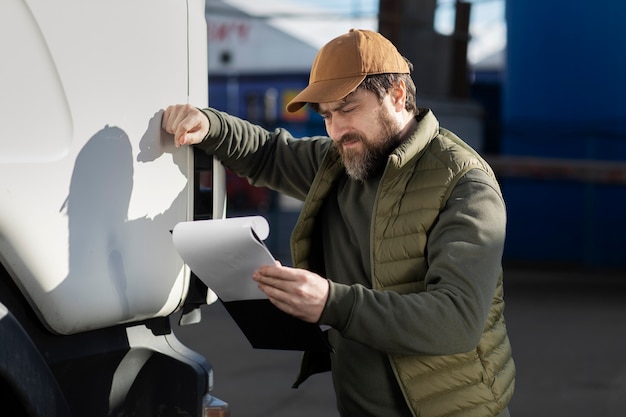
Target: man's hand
(297, 292)
(188, 124)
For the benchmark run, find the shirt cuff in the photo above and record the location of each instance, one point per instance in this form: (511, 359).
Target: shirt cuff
(338, 307)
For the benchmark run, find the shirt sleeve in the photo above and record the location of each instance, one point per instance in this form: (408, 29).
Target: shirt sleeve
(273, 159)
(464, 253)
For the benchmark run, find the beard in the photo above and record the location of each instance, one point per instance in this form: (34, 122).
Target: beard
(362, 165)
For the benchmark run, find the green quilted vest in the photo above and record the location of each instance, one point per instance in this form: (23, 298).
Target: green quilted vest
(419, 178)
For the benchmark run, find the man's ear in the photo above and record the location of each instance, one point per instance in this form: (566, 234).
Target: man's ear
(397, 93)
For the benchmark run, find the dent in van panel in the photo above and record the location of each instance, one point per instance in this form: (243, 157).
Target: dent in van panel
(34, 101)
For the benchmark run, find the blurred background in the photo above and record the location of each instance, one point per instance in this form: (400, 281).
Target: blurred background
(539, 88)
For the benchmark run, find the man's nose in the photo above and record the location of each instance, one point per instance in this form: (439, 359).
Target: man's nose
(336, 128)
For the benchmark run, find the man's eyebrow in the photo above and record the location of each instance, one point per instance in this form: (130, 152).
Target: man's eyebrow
(340, 104)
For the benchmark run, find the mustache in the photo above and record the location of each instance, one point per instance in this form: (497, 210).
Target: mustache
(349, 137)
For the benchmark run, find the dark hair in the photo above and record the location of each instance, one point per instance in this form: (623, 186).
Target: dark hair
(380, 84)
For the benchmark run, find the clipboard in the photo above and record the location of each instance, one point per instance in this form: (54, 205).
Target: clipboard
(223, 253)
(267, 327)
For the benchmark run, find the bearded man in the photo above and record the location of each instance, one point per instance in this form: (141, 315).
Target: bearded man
(398, 247)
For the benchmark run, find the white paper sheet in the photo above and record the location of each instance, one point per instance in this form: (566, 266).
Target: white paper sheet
(224, 253)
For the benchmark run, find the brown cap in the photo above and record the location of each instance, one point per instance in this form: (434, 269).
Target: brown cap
(343, 63)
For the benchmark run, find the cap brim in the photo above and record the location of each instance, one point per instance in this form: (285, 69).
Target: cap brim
(325, 92)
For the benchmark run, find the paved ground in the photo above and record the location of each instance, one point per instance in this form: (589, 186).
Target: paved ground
(567, 327)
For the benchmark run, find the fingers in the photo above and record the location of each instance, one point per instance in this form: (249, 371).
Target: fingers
(276, 291)
(278, 278)
(276, 271)
(188, 124)
(268, 282)
(297, 292)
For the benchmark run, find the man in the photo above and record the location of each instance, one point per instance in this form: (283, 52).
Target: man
(399, 243)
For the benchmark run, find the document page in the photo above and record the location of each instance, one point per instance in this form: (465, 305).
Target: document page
(224, 253)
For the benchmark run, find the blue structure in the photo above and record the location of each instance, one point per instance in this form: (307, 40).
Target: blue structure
(564, 96)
